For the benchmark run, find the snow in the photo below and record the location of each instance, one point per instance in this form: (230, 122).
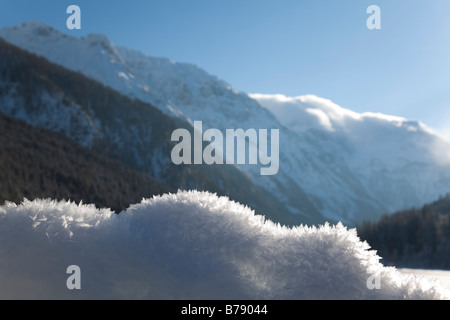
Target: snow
(290, 111)
(187, 245)
(398, 162)
(441, 276)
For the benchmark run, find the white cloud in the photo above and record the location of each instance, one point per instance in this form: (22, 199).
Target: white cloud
(370, 135)
(324, 120)
(444, 132)
(295, 112)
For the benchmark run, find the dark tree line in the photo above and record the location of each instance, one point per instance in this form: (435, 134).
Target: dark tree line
(416, 238)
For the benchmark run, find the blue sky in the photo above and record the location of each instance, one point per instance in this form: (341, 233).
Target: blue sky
(292, 47)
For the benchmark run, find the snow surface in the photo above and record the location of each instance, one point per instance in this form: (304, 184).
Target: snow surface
(441, 276)
(187, 245)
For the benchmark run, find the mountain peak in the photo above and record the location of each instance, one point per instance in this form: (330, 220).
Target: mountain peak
(35, 33)
(34, 27)
(97, 38)
(103, 42)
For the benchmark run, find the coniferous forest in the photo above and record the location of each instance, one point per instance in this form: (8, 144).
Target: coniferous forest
(37, 163)
(415, 238)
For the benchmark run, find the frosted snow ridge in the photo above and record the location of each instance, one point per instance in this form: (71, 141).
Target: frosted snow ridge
(189, 245)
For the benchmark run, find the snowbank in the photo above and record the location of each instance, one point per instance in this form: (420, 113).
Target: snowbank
(189, 245)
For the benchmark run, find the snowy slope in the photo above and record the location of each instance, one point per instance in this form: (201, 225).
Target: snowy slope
(440, 276)
(401, 162)
(176, 88)
(187, 245)
(349, 167)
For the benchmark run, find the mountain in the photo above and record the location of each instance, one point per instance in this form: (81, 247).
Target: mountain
(132, 132)
(414, 238)
(334, 164)
(401, 163)
(38, 163)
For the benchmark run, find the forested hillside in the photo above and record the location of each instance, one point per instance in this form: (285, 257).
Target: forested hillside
(416, 238)
(37, 163)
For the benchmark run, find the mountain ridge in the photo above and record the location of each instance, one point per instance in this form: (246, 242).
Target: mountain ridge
(320, 167)
(51, 97)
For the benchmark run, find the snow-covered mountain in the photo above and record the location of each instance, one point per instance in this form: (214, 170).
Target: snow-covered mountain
(400, 162)
(135, 133)
(179, 89)
(348, 167)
